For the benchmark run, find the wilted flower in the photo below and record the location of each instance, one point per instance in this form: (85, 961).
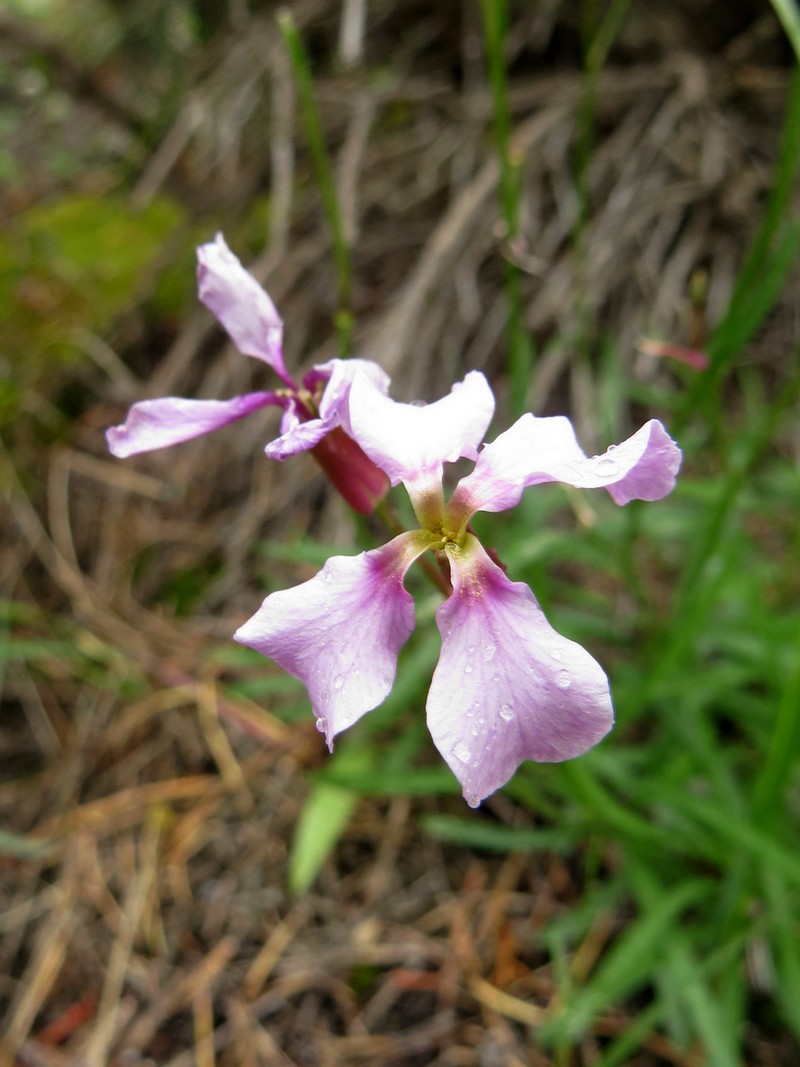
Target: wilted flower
(507, 687)
(315, 413)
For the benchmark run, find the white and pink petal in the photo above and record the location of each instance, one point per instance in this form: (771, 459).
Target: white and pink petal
(507, 687)
(153, 424)
(411, 442)
(241, 305)
(341, 373)
(341, 631)
(536, 450)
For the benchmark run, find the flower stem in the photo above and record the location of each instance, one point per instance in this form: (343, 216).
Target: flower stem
(323, 172)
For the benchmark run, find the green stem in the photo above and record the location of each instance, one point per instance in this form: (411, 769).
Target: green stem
(495, 27)
(323, 172)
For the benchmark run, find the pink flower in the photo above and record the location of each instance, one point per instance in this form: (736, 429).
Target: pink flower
(315, 414)
(507, 687)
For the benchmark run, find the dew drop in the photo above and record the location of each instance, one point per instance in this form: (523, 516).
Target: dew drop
(474, 730)
(338, 681)
(468, 668)
(488, 651)
(327, 577)
(320, 725)
(461, 752)
(607, 466)
(470, 649)
(556, 655)
(563, 680)
(472, 799)
(506, 712)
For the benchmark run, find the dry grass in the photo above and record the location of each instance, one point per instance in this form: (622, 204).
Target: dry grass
(153, 926)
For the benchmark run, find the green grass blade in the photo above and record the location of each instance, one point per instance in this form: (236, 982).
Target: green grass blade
(627, 965)
(20, 847)
(782, 754)
(494, 837)
(789, 15)
(782, 911)
(323, 820)
(683, 984)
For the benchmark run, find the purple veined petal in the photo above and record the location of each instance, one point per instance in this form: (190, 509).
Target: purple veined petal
(171, 420)
(241, 305)
(536, 450)
(412, 443)
(507, 687)
(340, 632)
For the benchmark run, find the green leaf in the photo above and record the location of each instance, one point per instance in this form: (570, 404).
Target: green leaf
(494, 837)
(324, 819)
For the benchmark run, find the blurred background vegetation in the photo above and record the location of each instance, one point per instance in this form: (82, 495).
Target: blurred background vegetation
(555, 193)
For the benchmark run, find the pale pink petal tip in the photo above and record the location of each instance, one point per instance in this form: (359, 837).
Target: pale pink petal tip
(647, 465)
(507, 687)
(241, 305)
(153, 424)
(340, 632)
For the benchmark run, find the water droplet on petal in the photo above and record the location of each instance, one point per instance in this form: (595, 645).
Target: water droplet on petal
(472, 799)
(320, 725)
(563, 680)
(506, 712)
(468, 668)
(488, 651)
(338, 681)
(461, 752)
(327, 577)
(607, 467)
(555, 654)
(470, 649)
(474, 730)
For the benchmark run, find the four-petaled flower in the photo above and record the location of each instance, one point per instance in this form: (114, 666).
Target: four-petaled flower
(507, 687)
(314, 413)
